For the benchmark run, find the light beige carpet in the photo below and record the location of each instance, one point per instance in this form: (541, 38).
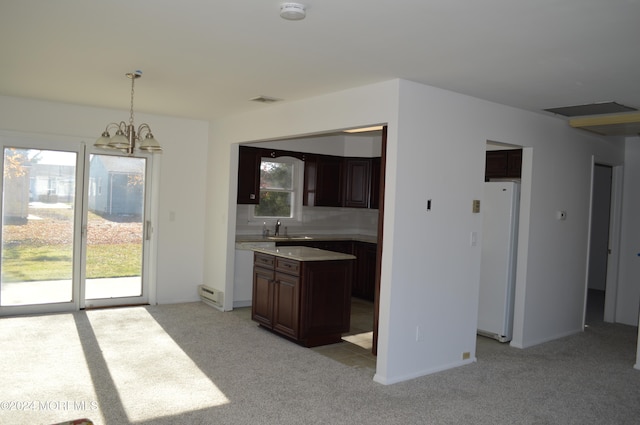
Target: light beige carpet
(191, 364)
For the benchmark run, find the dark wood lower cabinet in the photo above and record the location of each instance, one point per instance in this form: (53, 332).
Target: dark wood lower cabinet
(262, 305)
(364, 281)
(286, 305)
(308, 302)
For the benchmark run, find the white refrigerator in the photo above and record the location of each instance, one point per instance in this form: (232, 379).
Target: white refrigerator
(500, 208)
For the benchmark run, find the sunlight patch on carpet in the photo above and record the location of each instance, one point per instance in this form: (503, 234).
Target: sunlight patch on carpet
(150, 371)
(45, 374)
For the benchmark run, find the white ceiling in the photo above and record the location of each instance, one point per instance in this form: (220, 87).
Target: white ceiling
(206, 59)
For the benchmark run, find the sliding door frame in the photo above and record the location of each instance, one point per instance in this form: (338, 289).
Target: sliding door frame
(52, 143)
(83, 150)
(148, 292)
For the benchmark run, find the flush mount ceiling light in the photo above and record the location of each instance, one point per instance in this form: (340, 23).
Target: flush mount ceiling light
(125, 138)
(292, 11)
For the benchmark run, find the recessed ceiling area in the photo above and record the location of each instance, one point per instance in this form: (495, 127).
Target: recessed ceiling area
(603, 118)
(609, 125)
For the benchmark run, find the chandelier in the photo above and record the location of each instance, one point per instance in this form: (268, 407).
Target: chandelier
(126, 137)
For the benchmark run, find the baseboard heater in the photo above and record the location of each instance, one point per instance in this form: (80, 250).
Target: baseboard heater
(211, 296)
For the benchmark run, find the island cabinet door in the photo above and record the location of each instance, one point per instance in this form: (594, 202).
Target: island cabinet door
(286, 304)
(262, 305)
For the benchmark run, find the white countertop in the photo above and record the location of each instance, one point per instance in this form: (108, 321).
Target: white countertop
(304, 253)
(307, 237)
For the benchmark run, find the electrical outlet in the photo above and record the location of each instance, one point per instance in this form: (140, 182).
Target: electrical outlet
(466, 355)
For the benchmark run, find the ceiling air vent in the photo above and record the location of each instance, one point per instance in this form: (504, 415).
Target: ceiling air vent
(599, 108)
(265, 99)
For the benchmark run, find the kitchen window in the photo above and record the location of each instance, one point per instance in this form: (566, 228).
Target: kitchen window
(280, 187)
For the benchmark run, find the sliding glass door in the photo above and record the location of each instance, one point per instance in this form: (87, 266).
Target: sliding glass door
(116, 228)
(74, 228)
(40, 219)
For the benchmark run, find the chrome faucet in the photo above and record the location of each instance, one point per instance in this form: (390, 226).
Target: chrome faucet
(277, 230)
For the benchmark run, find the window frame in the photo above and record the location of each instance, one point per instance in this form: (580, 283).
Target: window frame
(296, 191)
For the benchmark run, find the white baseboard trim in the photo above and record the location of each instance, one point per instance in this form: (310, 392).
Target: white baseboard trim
(543, 340)
(394, 380)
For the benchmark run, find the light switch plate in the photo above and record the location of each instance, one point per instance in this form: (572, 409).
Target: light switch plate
(476, 206)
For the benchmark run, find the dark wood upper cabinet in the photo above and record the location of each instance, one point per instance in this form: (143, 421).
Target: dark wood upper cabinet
(329, 181)
(249, 175)
(310, 179)
(514, 163)
(503, 164)
(495, 164)
(357, 182)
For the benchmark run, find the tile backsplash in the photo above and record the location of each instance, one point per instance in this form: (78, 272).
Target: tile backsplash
(315, 220)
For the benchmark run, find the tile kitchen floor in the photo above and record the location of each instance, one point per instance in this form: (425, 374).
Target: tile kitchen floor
(355, 348)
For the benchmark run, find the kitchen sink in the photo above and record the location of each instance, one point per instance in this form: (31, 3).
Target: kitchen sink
(289, 238)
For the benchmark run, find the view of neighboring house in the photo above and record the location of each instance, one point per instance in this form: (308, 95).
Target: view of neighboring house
(51, 183)
(116, 186)
(36, 182)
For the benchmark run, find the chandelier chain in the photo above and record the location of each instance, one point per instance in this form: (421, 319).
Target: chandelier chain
(133, 81)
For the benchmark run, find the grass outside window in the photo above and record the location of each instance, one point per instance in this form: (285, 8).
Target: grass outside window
(54, 262)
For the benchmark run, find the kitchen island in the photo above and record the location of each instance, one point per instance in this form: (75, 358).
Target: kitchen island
(302, 293)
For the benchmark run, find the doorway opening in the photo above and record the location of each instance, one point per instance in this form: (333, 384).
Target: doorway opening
(323, 217)
(599, 244)
(499, 243)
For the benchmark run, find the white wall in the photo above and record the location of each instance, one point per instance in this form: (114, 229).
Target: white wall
(181, 172)
(628, 294)
(430, 273)
(628, 285)
(433, 287)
